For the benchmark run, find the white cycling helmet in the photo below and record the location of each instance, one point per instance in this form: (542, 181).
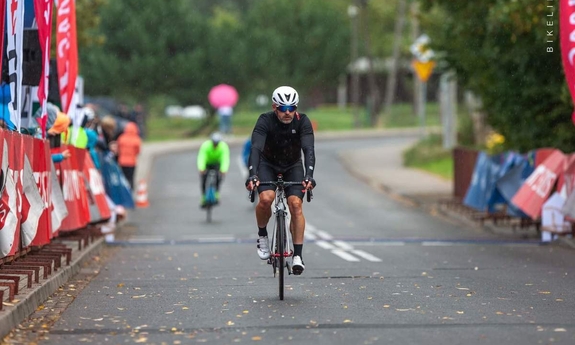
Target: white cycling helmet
(285, 95)
(216, 137)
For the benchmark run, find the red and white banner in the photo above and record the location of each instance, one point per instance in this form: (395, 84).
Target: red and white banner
(32, 203)
(538, 186)
(58, 208)
(43, 177)
(43, 11)
(567, 43)
(66, 52)
(99, 209)
(74, 190)
(8, 202)
(15, 35)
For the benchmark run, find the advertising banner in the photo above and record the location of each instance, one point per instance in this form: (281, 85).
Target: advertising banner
(43, 10)
(66, 52)
(99, 209)
(567, 43)
(482, 183)
(538, 186)
(32, 203)
(15, 37)
(74, 190)
(43, 179)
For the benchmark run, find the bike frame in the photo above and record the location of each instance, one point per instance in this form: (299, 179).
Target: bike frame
(281, 243)
(210, 192)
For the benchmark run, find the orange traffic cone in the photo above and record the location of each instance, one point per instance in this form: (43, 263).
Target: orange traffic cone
(142, 194)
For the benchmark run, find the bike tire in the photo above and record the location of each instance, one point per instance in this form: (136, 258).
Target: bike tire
(281, 258)
(209, 213)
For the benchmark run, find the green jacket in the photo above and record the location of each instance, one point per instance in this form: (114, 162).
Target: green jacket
(81, 140)
(208, 154)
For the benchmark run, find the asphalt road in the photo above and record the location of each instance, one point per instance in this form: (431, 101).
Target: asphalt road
(377, 271)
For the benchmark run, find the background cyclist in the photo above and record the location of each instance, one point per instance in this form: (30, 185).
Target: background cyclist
(213, 154)
(278, 139)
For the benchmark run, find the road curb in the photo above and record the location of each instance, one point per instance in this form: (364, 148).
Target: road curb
(12, 316)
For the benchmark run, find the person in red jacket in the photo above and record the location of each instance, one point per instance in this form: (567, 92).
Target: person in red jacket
(129, 145)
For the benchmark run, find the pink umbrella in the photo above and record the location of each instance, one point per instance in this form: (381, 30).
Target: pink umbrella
(223, 95)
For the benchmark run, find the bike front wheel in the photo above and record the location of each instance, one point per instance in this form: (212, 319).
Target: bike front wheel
(281, 255)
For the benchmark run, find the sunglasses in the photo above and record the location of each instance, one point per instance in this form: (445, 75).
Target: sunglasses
(284, 108)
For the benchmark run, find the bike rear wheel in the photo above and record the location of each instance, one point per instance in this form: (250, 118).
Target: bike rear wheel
(280, 251)
(209, 213)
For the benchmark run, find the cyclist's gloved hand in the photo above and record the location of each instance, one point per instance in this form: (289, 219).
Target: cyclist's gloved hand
(253, 181)
(307, 180)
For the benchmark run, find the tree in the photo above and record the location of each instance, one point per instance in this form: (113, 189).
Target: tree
(499, 51)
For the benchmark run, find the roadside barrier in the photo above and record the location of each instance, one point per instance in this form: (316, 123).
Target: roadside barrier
(521, 190)
(142, 194)
(44, 208)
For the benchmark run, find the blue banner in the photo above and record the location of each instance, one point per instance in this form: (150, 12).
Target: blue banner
(483, 181)
(116, 185)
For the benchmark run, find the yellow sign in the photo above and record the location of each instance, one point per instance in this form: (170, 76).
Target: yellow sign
(423, 69)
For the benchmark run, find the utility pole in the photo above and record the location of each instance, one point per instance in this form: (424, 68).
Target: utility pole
(417, 84)
(353, 12)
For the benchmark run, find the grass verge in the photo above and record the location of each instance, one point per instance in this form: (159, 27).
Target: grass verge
(429, 155)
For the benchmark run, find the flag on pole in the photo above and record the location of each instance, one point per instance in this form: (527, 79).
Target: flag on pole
(43, 9)
(67, 52)
(15, 34)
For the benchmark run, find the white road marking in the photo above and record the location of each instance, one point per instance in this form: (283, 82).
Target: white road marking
(436, 243)
(323, 234)
(366, 255)
(325, 245)
(340, 248)
(148, 239)
(345, 255)
(343, 245)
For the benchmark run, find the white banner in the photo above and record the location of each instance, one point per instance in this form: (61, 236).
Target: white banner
(15, 35)
(32, 194)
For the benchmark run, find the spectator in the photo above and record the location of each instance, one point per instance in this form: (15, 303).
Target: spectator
(108, 135)
(91, 147)
(225, 115)
(129, 144)
(60, 125)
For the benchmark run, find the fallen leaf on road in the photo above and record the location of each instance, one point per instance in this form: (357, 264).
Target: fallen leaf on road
(545, 292)
(256, 338)
(120, 285)
(139, 296)
(458, 288)
(169, 312)
(99, 319)
(347, 321)
(560, 330)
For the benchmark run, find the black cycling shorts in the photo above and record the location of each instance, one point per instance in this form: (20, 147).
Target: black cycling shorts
(269, 172)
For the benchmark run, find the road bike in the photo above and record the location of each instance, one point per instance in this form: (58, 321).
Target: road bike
(281, 243)
(210, 193)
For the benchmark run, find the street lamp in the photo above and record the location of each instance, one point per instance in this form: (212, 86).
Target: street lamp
(353, 11)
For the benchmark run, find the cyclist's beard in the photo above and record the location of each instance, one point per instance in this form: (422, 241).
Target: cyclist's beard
(285, 119)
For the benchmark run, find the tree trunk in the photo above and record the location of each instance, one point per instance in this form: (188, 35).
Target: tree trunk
(397, 36)
(474, 107)
(374, 104)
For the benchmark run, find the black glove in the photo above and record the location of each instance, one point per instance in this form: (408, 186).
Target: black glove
(253, 178)
(310, 179)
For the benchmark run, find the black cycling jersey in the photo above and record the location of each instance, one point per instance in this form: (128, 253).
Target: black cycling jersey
(281, 144)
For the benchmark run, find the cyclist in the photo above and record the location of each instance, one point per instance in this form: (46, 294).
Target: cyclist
(213, 154)
(278, 139)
